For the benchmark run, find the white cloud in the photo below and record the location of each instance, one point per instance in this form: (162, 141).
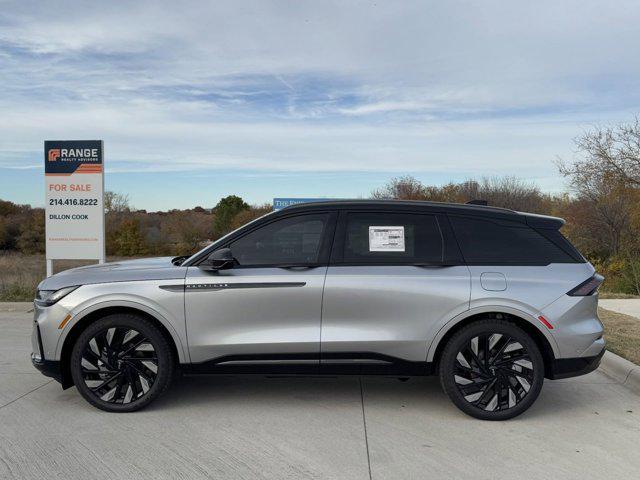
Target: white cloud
(479, 87)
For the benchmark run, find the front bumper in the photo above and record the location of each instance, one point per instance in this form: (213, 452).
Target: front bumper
(49, 368)
(573, 367)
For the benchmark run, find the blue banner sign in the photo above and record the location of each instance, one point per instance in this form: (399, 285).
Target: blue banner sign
(279, 203)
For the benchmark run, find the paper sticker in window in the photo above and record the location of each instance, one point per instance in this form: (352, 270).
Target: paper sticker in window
(386, 239)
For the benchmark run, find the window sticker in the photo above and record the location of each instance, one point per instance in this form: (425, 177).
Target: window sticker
(386, 239)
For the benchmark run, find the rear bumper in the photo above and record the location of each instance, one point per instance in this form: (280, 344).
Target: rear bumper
(573, 367)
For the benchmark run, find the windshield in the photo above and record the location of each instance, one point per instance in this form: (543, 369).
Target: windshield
(220, 240)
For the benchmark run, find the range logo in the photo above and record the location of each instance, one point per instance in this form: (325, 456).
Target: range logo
(72, 156)
(54, 154)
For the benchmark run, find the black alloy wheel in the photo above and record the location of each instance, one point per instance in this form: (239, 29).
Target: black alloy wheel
(121, 363)
(492, 370)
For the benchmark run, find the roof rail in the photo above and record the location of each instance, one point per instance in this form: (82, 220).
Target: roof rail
(477, 202)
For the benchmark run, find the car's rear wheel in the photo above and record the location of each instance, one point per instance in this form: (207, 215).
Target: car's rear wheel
(492, 370)
(121, 363)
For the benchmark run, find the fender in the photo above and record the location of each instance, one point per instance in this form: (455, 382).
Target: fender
(431, 350)
(157, 312)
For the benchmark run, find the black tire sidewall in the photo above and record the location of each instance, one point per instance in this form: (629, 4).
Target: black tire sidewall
(162, 349)
(459, 339)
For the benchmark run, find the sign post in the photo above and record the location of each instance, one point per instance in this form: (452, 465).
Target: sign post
(74, 208)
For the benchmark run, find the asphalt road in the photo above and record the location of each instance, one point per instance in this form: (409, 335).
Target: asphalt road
(280, 428)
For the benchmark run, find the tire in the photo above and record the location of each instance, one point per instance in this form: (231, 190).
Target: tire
(500, 386)
(113, 362)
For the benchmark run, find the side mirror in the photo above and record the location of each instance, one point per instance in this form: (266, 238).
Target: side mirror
(221, 259)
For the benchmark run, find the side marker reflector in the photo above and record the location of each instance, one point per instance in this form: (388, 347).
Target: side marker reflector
(546, 322)
(64, 322)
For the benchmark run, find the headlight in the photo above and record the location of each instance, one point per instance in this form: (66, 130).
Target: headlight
(45, 298)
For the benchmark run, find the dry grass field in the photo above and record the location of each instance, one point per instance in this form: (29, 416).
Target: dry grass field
(622, 334)
(20, 274)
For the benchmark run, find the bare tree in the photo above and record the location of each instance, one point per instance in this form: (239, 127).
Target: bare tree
(505, 192)
(116, 202)
(401, 188)
(606, 178)
(600, 222)
(611, 152)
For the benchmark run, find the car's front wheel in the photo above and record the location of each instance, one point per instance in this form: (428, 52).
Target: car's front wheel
(121, 363)
(492, 370)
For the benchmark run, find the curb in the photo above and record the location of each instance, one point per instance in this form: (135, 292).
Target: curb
(621, 370)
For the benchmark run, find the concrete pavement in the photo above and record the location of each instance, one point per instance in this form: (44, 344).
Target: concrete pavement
(628, 306)
(330, 428)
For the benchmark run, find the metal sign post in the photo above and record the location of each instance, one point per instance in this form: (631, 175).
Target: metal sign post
(74, 207)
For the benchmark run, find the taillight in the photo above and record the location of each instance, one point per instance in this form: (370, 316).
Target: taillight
(588, 287)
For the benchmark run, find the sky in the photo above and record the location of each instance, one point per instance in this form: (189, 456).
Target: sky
(199, 100)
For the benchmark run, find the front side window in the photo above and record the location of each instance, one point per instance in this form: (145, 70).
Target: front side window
(290, 241)
(393, 238)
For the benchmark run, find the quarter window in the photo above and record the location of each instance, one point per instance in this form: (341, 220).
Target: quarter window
(290, 241)
(488, 242)
(393, 238)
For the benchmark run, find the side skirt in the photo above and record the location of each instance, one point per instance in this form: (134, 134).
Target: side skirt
(308, 364)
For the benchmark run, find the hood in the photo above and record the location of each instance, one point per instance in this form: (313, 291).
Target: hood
(159, 268)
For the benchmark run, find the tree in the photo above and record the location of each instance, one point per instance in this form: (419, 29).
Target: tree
(246, 216)
(401, 188)
(116, 202)
(32, 233)
(5, 236)
(9, 208)
(225, 210)
(505, 192)
(188, 229)
(117, 209)
(606, 152)
(606, 179)
(128, 240)
(602, 218)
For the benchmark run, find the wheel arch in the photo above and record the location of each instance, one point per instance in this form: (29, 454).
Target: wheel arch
(86, 318)
(546, 343)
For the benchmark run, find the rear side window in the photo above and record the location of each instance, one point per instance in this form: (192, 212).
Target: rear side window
(394, 238)
(488, 242)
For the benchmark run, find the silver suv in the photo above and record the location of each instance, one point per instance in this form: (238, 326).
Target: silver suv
(491, 300)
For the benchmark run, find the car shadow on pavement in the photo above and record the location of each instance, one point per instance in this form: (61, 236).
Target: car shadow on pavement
(422, 395)
(258, 390)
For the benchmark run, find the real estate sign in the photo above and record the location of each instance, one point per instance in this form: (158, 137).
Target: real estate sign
(280, 203)
(74, 210)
